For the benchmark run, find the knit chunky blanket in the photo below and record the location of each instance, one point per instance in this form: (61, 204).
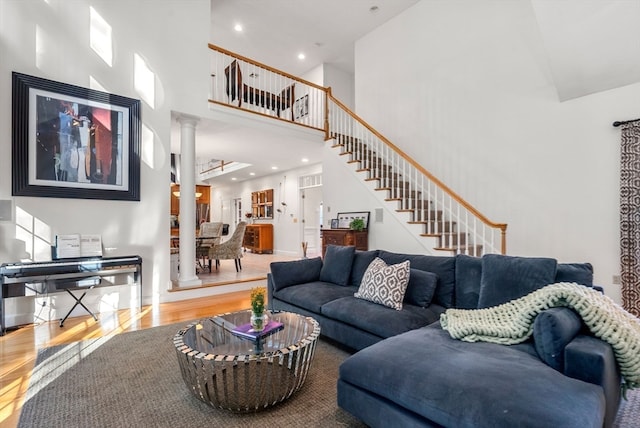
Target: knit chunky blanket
(512, 322)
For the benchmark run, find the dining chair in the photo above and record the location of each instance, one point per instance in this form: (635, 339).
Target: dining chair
(211, 230)
(230, 249)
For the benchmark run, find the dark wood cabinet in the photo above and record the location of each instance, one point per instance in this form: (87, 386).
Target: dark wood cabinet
(259, 238)
(345, 237)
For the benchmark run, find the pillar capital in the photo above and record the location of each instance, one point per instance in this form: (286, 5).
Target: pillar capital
(187, 120)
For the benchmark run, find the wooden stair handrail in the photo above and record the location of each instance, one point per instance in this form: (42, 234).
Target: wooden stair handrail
(455, 196)
(261, 65)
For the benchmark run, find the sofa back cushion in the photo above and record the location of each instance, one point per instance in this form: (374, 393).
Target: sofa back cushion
(469, 276)
(421, 288)
(468, 279)
(361, 261)
(580, 273)
(443, 267)
(336, 267)
(285, 274)
(505, 278)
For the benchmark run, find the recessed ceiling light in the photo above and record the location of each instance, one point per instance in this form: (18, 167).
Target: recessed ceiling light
(238, 28)
(233, 179)
(274, 167)
(252, 173)
(305, 160)
(301, 55)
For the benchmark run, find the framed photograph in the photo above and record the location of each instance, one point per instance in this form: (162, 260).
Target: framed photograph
(301, 107)
(334, 223)
(73, 142)
(344, 219)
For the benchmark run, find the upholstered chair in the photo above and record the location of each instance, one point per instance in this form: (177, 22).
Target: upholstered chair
(231, 249)
(208, 230)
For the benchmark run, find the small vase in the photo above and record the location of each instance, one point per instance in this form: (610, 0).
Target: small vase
(259, 322)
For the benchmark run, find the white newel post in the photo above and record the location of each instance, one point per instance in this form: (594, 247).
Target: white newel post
(188, 201)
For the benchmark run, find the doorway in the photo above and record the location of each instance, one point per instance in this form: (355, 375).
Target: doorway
(311, 203)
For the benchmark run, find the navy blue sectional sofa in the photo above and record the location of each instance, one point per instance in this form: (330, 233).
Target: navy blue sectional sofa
(408, 371)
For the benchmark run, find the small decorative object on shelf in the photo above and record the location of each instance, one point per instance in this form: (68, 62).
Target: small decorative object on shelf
(357, 224)
(249, 217)
(258, 316)
(304, 249)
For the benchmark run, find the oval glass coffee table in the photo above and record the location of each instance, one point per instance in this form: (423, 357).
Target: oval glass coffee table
(238, 374)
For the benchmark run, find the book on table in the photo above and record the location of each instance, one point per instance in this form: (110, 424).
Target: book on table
(245, 330)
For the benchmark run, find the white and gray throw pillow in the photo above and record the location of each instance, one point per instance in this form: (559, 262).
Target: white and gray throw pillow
(385, 284)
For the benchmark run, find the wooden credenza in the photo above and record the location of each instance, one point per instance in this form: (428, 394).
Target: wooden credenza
(259, 238)
(345, 237)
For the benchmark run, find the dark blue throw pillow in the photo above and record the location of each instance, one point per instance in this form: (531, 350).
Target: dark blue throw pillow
(336, 267)
(581, 273)
(290, 273)
(421, 288)
(553, 329)
(361, 261)
(505, 278)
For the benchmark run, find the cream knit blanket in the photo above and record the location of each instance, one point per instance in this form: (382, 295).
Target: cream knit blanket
(512, 322)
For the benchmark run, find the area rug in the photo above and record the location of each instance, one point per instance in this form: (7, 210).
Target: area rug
(133, 379)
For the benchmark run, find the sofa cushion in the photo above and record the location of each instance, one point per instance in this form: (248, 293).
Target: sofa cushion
(505, 278)
(421, 287)
(581, 273)
(446, 381)
(444, 267)
(385, 284)
(294, 272)
(377, 319)
(553, 329)
(337, 264)
(361, 261)
(468, 280)
(312, 295)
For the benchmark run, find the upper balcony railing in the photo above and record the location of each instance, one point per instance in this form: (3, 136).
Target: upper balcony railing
(245, 84)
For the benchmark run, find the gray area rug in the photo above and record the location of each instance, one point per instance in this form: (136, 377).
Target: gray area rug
(133, 379)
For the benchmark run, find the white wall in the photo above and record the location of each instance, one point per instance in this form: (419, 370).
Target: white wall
(341, 82)
(468, 93)
(50, 39)
(287, 227)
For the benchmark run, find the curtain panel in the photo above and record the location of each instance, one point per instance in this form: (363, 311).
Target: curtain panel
(630, 216)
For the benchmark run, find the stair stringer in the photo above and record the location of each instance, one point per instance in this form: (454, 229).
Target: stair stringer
(382, 235)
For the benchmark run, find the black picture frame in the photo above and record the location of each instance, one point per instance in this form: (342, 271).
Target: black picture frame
(301, 107)
(334, 223)
(73, 142)
(344, 219)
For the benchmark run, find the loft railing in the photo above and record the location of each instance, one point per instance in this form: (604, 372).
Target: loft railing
(245, 84)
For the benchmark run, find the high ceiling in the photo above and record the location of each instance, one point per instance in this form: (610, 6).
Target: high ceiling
(591, 46)
(274, 33)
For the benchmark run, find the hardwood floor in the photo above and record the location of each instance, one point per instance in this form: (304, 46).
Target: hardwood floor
(19, 348)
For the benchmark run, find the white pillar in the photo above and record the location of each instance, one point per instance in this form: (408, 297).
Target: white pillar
(188, 201)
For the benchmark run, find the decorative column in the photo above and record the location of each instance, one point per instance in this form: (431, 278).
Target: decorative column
(188, 275)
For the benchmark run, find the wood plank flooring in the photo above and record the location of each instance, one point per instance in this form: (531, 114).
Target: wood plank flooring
(19, 348)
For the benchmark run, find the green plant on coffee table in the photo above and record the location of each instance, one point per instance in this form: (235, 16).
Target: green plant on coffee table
(257, 300)
(357, 224)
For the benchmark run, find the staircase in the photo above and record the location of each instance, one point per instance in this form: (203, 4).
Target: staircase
(457, 226)
(412, 191)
